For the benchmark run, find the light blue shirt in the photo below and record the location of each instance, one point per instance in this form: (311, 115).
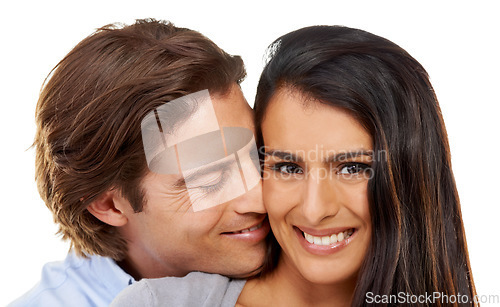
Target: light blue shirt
(77, 281)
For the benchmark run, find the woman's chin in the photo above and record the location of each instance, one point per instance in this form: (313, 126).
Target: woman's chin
(328, 277)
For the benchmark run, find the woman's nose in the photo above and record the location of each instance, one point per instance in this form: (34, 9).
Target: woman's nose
(319, 197)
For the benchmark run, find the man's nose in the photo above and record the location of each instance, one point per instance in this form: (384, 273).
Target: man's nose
(251, 201)
(320, 199)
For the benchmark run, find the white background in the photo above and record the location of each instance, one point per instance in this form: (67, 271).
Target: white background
(457, 42)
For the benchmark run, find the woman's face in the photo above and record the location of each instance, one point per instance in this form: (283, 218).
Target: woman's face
(317, 167)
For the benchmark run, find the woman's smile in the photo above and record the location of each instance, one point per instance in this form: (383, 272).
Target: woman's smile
(324, 243)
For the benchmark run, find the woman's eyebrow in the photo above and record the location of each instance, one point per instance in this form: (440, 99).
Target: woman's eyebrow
(325, 157)
(283, 155)
(343, 156)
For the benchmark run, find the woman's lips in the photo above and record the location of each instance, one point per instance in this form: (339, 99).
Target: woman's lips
(325, 242)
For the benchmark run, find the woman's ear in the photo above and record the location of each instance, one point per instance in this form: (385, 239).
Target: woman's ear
(109, 208)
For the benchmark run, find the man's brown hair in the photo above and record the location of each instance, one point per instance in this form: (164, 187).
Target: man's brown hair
(89, 113)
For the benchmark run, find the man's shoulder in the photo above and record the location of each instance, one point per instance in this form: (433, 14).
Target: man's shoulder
(86, 280)
(195, 289)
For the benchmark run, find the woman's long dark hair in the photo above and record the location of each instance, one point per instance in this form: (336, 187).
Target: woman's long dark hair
(418, 243)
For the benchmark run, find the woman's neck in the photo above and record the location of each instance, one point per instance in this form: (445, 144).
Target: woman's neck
(285, 286)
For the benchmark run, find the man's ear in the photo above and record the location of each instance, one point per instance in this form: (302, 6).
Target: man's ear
(109, 208)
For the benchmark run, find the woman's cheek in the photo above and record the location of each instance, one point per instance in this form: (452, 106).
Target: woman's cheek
(280, 196)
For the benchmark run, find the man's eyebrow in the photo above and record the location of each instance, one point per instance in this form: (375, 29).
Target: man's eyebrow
(181, 182)
(342, 156)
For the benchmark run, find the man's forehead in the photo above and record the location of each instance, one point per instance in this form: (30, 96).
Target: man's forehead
(232, 110)
(191, 120)
(201, 120)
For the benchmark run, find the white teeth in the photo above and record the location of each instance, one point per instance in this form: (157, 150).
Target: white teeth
(340, 237)
(327, 240)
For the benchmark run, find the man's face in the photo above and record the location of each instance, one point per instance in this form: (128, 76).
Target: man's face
(171, 237)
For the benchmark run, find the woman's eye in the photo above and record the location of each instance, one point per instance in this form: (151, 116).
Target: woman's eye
(353, 168)
(288, 168)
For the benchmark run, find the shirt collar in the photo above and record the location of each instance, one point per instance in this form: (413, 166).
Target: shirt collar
(106, 271)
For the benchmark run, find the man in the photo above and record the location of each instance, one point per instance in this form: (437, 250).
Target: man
(144, 158)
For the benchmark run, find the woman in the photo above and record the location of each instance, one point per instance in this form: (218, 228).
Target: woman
(357, 178)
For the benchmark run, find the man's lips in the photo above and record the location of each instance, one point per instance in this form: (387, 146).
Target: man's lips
(254, 232)
(251, 227)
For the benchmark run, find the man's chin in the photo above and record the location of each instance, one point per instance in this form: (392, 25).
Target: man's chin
(245, 275)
